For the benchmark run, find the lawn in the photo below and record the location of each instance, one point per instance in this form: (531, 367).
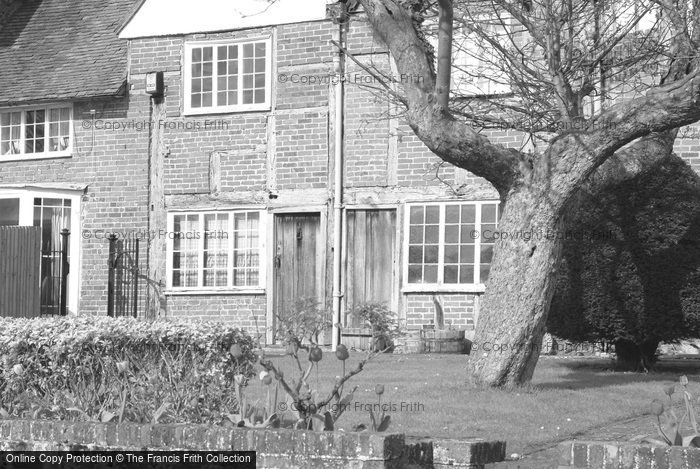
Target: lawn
(567, 397)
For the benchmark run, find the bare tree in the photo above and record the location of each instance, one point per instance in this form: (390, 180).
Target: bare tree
(578, 86)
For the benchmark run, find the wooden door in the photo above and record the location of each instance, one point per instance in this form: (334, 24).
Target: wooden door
(371, 257)
(298, 263)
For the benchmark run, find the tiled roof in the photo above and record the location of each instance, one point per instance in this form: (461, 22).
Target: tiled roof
(63, 49)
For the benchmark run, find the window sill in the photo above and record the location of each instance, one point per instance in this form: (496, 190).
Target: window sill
(202, 291)
(433, 288)
(226, 110)
(35, 156)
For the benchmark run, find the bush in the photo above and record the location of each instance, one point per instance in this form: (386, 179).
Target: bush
(100, 368)
(640, 286)
(381, 321)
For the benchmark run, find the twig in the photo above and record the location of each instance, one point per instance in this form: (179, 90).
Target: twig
(342, 381)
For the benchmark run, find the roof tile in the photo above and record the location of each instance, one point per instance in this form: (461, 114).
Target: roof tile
(66, 48)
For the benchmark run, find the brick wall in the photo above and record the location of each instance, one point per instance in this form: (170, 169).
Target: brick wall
(243, 310)
(111, 159)
(367, 131)
(595, 454)
(458, 310)
(278, 448)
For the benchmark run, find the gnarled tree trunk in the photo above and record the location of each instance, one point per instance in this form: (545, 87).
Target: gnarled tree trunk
(536, 189)
(520, 288)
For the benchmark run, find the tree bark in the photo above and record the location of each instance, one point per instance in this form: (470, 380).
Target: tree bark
(636, 357)
(520, 287)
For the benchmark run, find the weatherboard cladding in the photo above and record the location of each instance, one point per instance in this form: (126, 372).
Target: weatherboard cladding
(63, 49)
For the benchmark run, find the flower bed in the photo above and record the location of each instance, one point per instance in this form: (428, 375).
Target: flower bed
(106, 369)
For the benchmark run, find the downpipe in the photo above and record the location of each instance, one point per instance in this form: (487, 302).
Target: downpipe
(338, 183)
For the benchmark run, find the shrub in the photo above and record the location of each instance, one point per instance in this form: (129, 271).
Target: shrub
(100, 368)
(382, 322)
(640, 286)
(303, 323)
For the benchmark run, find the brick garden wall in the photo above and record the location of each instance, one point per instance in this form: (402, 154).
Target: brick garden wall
(278, 448)
(596, 455)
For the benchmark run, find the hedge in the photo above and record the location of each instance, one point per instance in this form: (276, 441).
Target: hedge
(640, 286)
(107, 369)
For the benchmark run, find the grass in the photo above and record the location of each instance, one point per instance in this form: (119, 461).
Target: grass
(567, 397)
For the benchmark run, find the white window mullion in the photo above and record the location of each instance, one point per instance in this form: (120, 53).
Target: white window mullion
(22, 132)
(46, 130)
(229, 266)
(262, 258)
(477, 244)
(169, 250)
(441, 246)
(239, 78)
(214, 75)
(200, 252)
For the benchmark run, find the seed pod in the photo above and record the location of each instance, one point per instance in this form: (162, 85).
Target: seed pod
(670, 389)
(235, 351)
(315, 354)
(657, 407)
(18, 369)
(341, 352)
(267, 380)
(684, 380)
(379, 389)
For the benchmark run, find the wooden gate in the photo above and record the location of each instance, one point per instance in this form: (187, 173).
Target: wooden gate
(20, 271)
(299, 261)
(371, 242)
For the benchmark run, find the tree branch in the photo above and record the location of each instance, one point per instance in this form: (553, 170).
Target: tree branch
(451, 140)
(444, 77)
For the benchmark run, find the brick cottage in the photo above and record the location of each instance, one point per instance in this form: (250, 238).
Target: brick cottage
(219, 135)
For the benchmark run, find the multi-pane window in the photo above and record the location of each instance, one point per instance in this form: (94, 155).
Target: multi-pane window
(216, 250)
(450, 243)
(35, 132)
(227, 77)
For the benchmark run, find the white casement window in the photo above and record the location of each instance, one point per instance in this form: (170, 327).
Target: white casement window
(449, 245)
(36, 132)
(228, 76)
(222, 250)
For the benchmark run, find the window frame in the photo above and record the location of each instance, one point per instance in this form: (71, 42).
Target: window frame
(440, 286)
(187, 76)
(228, 289)
(68, 152)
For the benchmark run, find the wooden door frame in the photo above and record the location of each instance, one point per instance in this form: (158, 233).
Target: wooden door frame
(395, 287)
(321, 210)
